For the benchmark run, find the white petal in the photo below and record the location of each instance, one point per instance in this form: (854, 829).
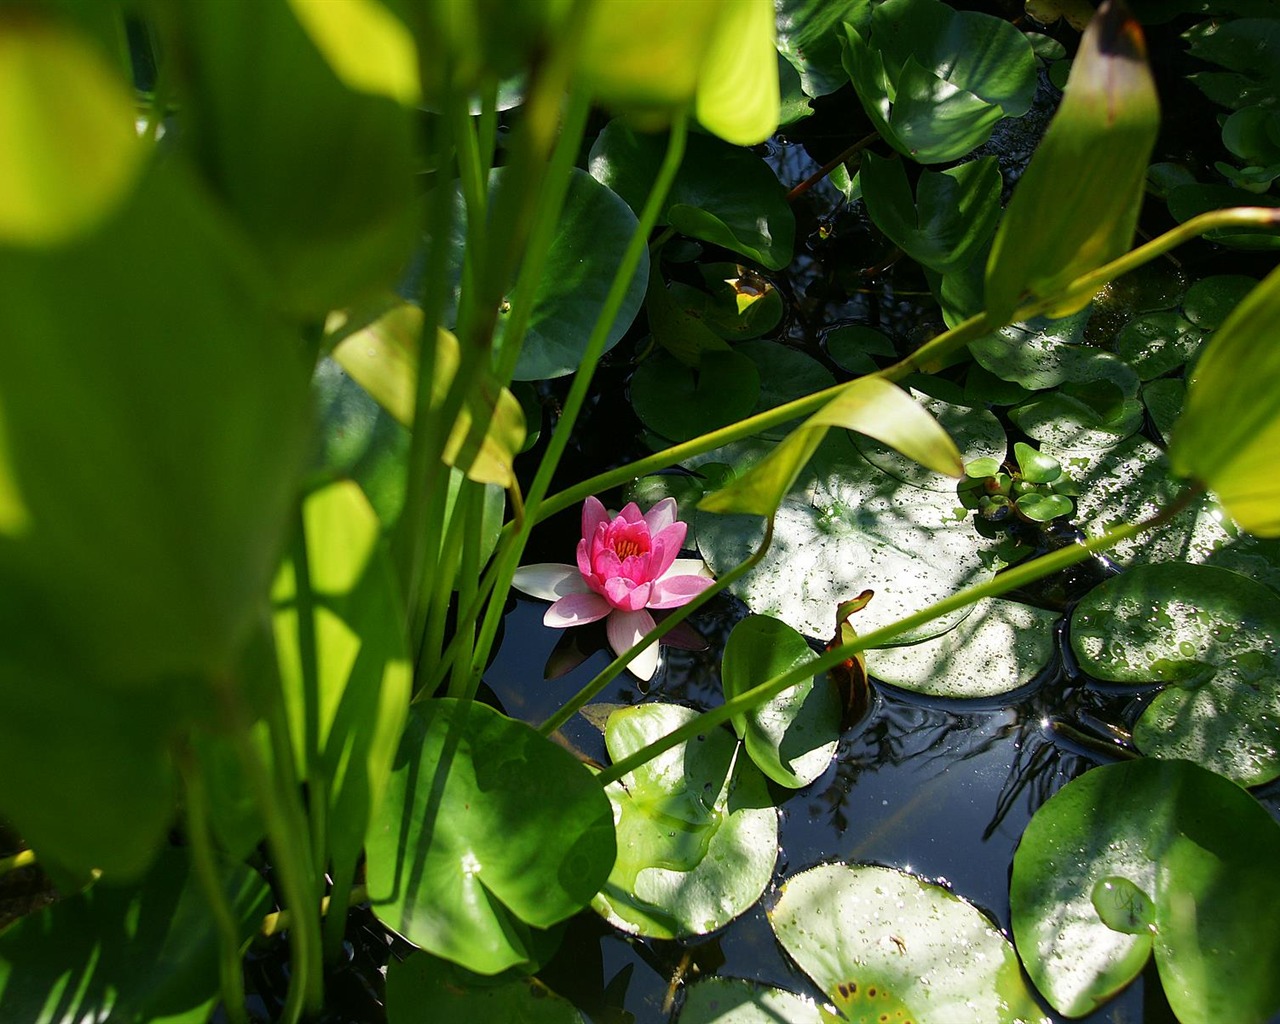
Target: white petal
(624, 630)
(549, 581)
(689, 567)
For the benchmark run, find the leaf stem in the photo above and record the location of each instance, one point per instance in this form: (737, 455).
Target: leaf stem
(830, 166)
(17, 861)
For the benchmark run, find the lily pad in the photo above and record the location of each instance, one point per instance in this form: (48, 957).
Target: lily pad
(1000, 647)
(722, 194)
(147, 952)
(682, 402)
(697, 830)
(852, 346)
(1163, 399)
(1038, 354)
(846, 527)
(873, 938)
(592, 233)
(1211, 299)
(424, 987)
(1158, 342)
(1213, 636)
(976, 432)
(785, 374)
(486, 830)
(1197, 847)
(792, 737)
(734, 1001)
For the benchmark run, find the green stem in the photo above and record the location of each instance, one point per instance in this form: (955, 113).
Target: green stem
(204, 860)
(281, 920)
(583, 696)
(831, 165)
(1012, 579)
(17, 861)
(512, 545)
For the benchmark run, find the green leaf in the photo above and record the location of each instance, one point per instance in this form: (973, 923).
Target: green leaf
(785, 374)
(675, 327)
(72, 153)
(383, 357)
(1210, 299)
(792, 737)
(367, 47)
(738, 95)
(733, 1001)
(955, 214)
(842, 528)
(739, 303)
(592, 234)
(852, 346)
(1038, 354)
(879, 941)
(151, 514)
(321, 177)
(485, 831)
(422, 988)
(1044, 508)
(722, 194)
(1156, 343)
(809, 38)
(1209, 633)
(142, 953)
(344, 660)
(1187, 201)
(998, 648)
(1195, 846)
(1229, 431)
(1035, 466)
(680, 402)
(936, 81)
(1077, 203)
(697, 831)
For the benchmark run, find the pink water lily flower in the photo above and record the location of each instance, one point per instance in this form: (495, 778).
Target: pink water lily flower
(626, 566)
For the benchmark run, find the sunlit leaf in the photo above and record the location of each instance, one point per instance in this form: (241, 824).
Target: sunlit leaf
(720, 1000)
(1196, 847)
(1076, 205)
(697, 831)
(383, 358)
(809, 37)
(884, 945)
(1229, 432)
(738, 94)
(486, 831)
(366, 45)
(71, 152)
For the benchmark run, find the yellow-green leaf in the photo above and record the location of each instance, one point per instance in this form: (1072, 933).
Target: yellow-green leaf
(1076, 206)
(868, 405)
(369, 49)
(383, 358)
(1228, 437)
(738, 94)
(69, 151)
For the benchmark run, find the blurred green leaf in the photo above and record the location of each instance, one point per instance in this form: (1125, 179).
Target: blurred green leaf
(1076, 205)
(366, 45)
(71, 151)
(1228, 435)
(423, 987)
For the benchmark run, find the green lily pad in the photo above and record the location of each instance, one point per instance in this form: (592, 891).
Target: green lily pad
(592, 234)
(1195, 846)
(1163, 399)
(1132, 482)
(809, 38)
(934, 81)
(733, 1001)
(697, 830)
(785, 374)
(876, 939)
(1000, 647)
(1038, 354)
(682, 402)
(792, 737)
(146, 952)
(1158, 342)
(1211, 299)
(737, 304)
(1075, 421)
(845, 527)
(976, 432)
(1213, 636)
(486, 830)
(1186, 201)
(852, 346)
(423, 987)
(952, 215)
(722, 194)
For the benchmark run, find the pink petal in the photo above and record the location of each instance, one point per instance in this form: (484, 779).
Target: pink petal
(674, 591)
(666, 545)
(661, 515)
(548, 581)
(626, 595)
(631, 513)
(584, 557)
(576, 610)
(593, 514)
(625, 630)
